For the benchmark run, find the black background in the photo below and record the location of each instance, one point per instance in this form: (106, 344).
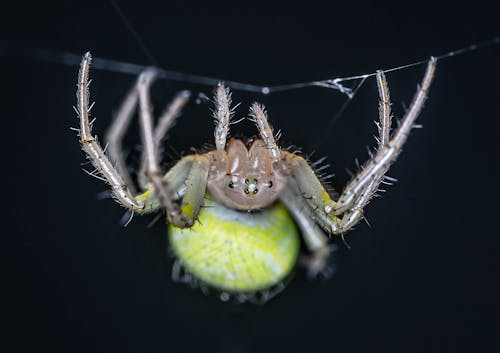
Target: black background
(423, 278)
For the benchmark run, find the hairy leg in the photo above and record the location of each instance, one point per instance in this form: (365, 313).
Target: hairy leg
(163, 190)
(196, 185)
(93, 149)
(222, 115)
(187, 178)
(176, 177)
(366, 182)
(341, 215)
(314, 237)
(121, 122)
(259, 117)
(116, 132)
(165, 122)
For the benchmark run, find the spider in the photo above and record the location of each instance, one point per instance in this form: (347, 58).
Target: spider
(235, 213)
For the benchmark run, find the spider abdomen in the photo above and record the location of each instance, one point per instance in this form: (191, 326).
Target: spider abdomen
(238, 251)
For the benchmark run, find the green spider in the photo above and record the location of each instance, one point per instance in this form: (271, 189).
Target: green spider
(259, 197)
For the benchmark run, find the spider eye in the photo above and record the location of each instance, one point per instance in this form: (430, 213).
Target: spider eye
(255, 191)
(231, 185)
(246, 191)
(251, 181)
(270, 184)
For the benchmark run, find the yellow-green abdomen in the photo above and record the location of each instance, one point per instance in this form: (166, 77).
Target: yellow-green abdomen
(238, 251)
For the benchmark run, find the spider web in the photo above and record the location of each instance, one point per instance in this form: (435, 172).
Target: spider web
(348, 85)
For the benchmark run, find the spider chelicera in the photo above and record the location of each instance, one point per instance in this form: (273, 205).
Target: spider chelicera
(258, 197)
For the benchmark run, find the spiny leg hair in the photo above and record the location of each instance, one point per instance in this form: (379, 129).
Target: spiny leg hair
(362, 187)
(165, 122)
(191, 172)
(339, 216)
(154, 173)
(355, 212)
(222, 115)
(92, 147)
(259, 117)
(116, 132)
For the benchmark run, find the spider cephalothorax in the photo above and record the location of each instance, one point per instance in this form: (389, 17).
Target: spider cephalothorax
(231, 248)
(244, 178)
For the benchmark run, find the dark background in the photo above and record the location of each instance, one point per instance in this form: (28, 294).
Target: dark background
(423, 278)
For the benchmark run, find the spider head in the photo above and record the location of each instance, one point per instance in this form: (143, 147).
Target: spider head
(246, 179)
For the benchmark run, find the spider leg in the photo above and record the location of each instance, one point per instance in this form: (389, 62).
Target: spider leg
(352, 216)
(92, 147)
(116, 132)
(121, 122)
(167, 119)
(222, 115)
(362, 187)
(196, 186)
(165, 122)
(259, 116)
(163, 190)
(187, 178)
(339, 216)
(314, 237)
(384, 127)
(176, 177)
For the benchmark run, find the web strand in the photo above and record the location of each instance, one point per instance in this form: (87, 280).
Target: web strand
(110, 65)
